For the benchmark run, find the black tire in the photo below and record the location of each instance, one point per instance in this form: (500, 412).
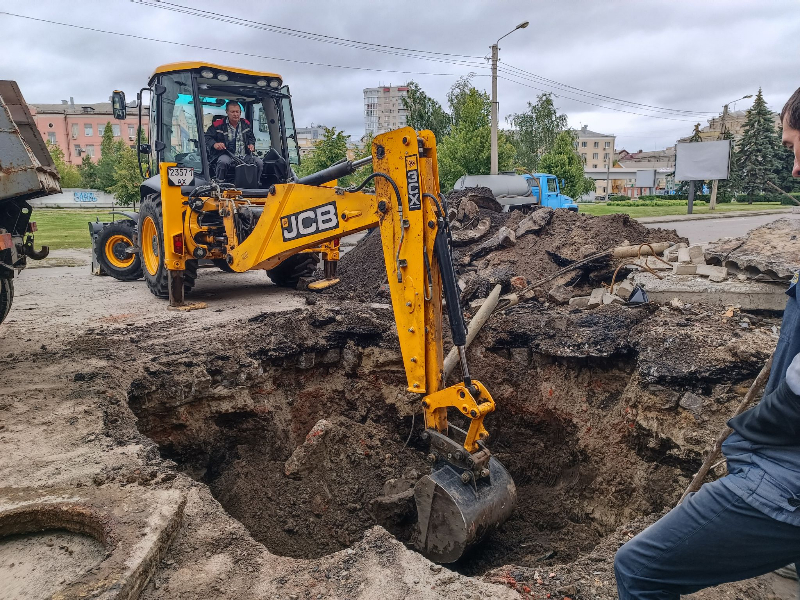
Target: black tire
(223, 265)
(289, 272)
(151, 242)
(6, 296)
(110, 251)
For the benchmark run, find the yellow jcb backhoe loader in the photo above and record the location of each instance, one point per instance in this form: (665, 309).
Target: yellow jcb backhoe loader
(186, 216)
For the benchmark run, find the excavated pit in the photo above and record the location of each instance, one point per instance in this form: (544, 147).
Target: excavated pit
(299, 423)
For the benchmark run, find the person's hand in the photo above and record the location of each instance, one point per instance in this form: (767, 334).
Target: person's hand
(219, 146)
(251, 147)
(793, 375)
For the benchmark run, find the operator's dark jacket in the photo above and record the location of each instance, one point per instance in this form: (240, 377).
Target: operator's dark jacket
(217, 133)
(763, 453)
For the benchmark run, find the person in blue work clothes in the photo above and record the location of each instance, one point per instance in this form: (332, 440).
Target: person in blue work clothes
(231, 134)
(748, 522)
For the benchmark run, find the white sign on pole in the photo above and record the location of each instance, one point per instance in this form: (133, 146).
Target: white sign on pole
(697, 161)
(646, 178)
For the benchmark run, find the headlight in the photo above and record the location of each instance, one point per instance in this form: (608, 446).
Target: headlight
(222, 77)
(273, 83)
(207, 74)
(261, 82)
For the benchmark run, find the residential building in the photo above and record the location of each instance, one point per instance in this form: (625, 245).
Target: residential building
(78, 128)
(734, 122)
(307, 138)
(663, 161)
(597, 151)
(383, 109)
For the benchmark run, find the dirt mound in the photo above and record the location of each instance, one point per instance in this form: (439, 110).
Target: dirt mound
(566, 238)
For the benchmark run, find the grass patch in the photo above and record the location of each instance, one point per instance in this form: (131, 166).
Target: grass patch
(65, 227)
(661, 211)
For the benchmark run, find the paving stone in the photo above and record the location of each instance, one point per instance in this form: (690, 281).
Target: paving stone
(685, 269)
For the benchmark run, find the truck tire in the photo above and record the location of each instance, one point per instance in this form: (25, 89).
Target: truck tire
(289, 272)
(6, 296)
(112, 241)
(151, 242)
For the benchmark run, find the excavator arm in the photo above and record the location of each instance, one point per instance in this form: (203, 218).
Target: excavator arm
(468, 491)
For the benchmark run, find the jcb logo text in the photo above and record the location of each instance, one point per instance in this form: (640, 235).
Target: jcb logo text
(308, 222)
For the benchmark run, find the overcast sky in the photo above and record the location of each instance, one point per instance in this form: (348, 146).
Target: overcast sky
(687, 55)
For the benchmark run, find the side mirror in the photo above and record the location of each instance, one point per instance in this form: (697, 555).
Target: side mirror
(144, 148)
(562, 184)
(118, 106)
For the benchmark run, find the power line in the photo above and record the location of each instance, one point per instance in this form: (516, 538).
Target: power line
(238, 53)
(407, 53)
(559, 95)
(523, 74)
(318, 37)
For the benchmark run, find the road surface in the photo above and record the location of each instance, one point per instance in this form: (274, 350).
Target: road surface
(708, 230)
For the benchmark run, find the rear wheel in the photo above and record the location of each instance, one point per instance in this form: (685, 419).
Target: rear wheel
(289, 272)
(151, 241)
(111, 250)
(6, 296)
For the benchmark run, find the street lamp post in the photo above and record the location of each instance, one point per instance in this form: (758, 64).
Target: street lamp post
(715, 184)
(495, 48)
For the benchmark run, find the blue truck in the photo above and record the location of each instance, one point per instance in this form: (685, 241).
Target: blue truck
(521, 191)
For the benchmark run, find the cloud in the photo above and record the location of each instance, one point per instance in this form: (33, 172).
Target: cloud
(685, 55)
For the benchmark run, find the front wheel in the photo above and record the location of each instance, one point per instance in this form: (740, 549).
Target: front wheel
(112, 254)
(151, 242)
(6, 296)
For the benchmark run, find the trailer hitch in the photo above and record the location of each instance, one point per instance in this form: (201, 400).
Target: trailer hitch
(29, 251)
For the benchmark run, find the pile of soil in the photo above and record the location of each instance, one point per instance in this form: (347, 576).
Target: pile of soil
(567, 238)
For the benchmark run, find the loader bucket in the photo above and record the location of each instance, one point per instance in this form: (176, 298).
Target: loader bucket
(453, 515)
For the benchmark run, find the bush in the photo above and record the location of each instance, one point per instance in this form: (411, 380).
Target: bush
(759, 198)
(653, 203)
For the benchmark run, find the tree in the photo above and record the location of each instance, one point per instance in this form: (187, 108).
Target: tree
(69, 174)
(108, 159)
(331, 149)
(536, 131)
(467, 149)
(425, 113)
(565, 163)
(126, 177)
(88, 172)
(759, 153)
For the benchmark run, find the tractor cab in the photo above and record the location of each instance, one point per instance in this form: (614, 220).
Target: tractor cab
(186, 98)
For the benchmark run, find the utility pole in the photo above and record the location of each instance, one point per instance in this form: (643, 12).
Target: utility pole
(495, 48)
(715, 184)
(608, 173)
(494, 109)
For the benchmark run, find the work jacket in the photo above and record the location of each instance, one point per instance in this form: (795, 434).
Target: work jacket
(763, 452)
(217, 132)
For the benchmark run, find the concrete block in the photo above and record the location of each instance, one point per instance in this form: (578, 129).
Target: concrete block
(713, 273)
(579, 301)
(684, 256)
(612, 299)
(685, 269)
(749, 295)
(696, 255)
(624, 290)
(653, 263)
(560, 294)
(596, 297)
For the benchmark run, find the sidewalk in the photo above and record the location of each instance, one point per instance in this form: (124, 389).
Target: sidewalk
(725, 215)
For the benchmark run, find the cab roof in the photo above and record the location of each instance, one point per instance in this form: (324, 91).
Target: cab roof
(192, 65)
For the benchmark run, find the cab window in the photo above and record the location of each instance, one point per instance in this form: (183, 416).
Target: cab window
(178, 123)
(551, 184)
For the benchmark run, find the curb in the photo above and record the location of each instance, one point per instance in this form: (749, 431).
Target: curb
(728, 215)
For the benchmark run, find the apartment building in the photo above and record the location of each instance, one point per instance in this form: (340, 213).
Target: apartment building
(78, 128)
(596, 149)
(383, 109)
(307, 138)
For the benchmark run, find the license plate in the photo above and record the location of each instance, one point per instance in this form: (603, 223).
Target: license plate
(180, 175)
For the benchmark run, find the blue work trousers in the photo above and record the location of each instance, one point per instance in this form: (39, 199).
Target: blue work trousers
(713, 537)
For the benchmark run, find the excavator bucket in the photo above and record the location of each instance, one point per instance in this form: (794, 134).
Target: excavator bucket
(454, 515)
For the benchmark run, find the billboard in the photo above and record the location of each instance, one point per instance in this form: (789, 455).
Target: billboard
(702, 160)
(646, 178)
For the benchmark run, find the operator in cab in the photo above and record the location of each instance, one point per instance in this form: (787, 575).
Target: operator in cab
(232, 134)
